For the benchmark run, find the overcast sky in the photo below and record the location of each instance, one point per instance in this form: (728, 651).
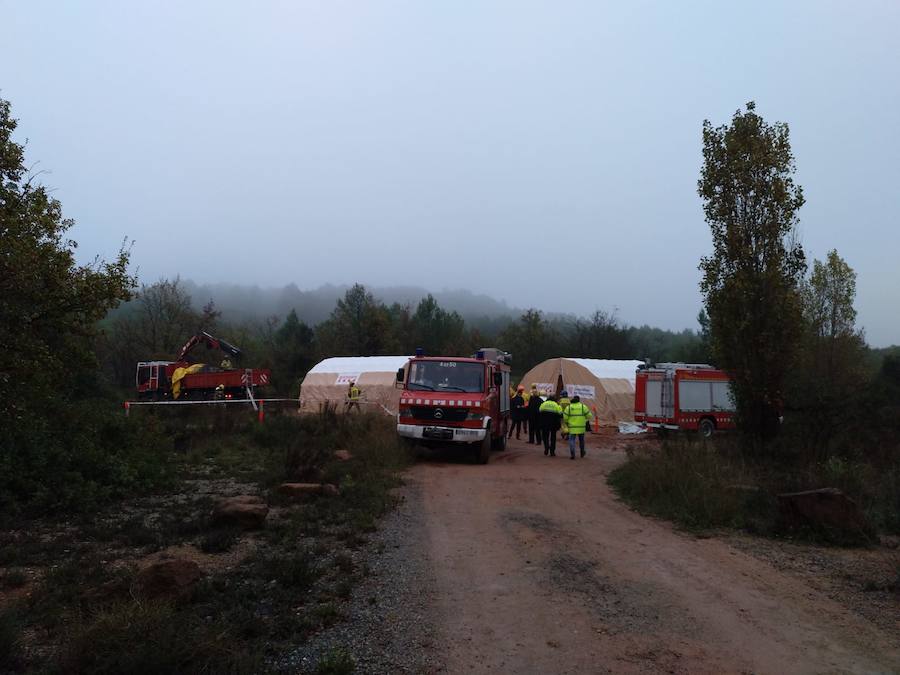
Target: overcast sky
(543, 153)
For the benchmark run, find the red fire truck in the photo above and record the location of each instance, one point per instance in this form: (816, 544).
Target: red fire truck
(161, 380)
(689, 396)
(456, 400)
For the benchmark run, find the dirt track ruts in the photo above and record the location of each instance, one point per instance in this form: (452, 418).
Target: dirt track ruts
(540, 569)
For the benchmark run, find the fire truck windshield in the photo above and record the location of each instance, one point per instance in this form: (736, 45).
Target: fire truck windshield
(446, 376)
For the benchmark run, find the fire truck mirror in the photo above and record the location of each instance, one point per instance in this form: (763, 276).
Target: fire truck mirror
(400, 373)
(498, 379)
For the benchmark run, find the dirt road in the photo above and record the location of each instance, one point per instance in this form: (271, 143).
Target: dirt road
(539, 569)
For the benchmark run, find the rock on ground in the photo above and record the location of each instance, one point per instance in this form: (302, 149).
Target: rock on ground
(248, 512)
(175, 579)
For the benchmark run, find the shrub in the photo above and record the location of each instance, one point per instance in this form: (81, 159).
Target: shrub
(92, 455)
(336, 662)
(132, 637)
(691, 483)
(10, 639)
(219, 540)
(297, 570)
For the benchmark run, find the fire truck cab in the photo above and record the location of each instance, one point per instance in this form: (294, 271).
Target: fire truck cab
(453, 400)
(688, 396)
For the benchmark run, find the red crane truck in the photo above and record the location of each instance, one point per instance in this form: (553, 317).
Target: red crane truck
(689, 396)
(156, 380)
(454, 400)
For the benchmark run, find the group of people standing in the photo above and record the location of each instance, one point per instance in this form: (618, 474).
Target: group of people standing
(544, 416)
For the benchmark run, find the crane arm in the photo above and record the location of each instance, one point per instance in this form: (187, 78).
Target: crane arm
(211, 343)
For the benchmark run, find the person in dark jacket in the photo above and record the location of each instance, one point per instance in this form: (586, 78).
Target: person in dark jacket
(519, 413)
(551, 420)
(534, 418)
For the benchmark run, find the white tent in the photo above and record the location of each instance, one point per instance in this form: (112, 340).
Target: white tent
(329, 380)
(605, 385)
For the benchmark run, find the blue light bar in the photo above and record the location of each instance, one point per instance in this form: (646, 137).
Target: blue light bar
(480, 354)
(420, 351)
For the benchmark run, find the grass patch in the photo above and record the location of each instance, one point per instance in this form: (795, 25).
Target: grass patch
(13, 578)
(156, 637)
(219, 540)
(710, 484)
(694, 484)
(336, 662)
(10, 639)
(297, 570)
(295, 580)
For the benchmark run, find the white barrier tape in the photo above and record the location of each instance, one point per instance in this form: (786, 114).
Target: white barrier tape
(246, 401)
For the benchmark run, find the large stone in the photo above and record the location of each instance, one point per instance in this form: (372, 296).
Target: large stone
(176, 579)
(825, 509)
(248, 512)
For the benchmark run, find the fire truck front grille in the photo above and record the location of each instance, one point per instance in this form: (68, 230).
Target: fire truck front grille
(424, 412)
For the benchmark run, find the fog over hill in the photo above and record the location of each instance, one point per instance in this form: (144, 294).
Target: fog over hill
(314, 306)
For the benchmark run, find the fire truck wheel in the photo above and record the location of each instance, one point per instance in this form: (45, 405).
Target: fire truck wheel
(500, 443)
(707, 427)
(483, 449)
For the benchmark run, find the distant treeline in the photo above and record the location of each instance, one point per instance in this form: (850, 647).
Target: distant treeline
(290, 338)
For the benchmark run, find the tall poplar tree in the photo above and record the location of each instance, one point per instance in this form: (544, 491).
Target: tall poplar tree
(751, 282)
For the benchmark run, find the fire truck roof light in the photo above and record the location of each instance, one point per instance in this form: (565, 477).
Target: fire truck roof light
(480, 355)
(420, 351)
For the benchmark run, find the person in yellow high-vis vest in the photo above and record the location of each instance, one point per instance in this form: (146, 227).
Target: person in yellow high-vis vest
(576, 417)
(551, 415)
(353, 394)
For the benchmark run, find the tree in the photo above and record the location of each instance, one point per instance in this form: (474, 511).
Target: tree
(828, 298)
(293, 354)
(154, 325)
(358, 326)
(531, 340)
(751, 281)
(436, 330)
(600, 337)
(48, 305)
(49, 308)
(832, 374)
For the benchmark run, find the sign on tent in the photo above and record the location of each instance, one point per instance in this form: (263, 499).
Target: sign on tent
(581, 390)
(347, 378)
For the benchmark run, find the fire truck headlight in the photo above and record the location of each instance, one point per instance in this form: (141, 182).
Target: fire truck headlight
(405, 412)
(474, 415)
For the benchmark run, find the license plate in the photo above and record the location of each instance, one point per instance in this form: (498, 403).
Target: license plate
(437, 432)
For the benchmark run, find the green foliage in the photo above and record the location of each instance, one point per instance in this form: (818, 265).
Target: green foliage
(153, 325)
(154, 637)
(49, 307)
(219, 540)
(436, 330)
(600, 336)
(10, 639)
(751, 280)
(702, 485)
(692, 484)
(102, 456)
(828, 386)
(531, 340)
(293, 354)
(336, 662)
(829, 296)
(358, 326)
